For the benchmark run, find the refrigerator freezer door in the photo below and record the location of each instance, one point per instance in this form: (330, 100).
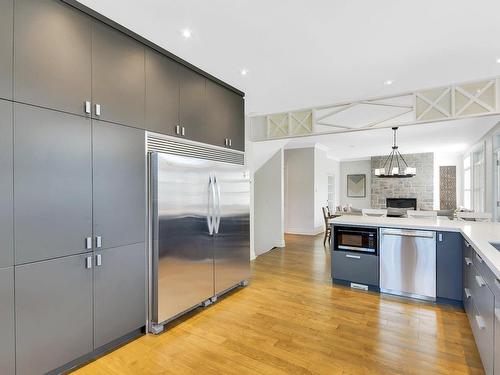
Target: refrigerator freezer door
(232, 227)
(182, 248)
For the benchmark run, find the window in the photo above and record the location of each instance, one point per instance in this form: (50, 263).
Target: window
(331, 192)
(467, 182)
(478, 180)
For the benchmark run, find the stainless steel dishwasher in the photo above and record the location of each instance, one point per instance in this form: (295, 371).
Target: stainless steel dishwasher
(408, 263)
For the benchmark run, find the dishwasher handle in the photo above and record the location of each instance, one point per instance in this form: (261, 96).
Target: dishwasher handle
(408, 233)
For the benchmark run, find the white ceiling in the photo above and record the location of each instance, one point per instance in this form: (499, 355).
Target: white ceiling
(307, 53)
(451, 137)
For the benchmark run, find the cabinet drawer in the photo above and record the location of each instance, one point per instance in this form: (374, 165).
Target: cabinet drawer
(355, 267)
(483, 334)
(489, 277)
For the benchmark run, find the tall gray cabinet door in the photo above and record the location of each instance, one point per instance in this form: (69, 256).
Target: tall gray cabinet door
(52, 57)
(192, 104)
(118, 76)
(119, 184)
(225, 117)
(6, 40)
(52, 183)
(119, 292)
(7, 340)
(449, 266)
(53, 313)
(162, 93)
(6, 191)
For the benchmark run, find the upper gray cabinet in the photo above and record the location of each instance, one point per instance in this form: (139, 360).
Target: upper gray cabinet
(52, 55)
(118, 77)
(6, 40)
(6, 191)
(119, 184)
(192, 104)
(162, 93)
(225, 117)
(52, 183)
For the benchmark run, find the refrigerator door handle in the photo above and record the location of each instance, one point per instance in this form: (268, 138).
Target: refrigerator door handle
(210, 206)
(217, 206)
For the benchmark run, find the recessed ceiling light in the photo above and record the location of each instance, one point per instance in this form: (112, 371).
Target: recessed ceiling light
(498, 60)
(244, 72)
(186, 33)
(388, 82)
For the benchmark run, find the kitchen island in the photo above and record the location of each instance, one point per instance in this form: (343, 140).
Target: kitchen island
(437, 260)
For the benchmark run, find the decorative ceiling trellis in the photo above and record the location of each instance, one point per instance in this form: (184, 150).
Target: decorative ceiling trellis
(479, 98)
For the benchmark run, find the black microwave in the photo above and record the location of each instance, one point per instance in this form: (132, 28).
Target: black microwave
(357, 239)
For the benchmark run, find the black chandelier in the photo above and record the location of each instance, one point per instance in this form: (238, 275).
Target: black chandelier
(395, 165)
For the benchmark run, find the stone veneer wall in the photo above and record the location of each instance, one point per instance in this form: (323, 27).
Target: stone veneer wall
(421, 186)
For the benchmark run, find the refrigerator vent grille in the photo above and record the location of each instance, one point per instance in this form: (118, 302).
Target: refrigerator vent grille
(168, 146)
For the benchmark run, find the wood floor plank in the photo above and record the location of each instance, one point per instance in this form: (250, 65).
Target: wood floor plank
(291, 320)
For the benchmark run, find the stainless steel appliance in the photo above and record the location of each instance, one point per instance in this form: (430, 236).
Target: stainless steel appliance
(199, 213)
(357, 239)
(408, 262)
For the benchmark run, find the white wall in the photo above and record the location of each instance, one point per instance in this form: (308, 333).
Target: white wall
(299, 191)
(323, 166)
(268, 205)
(442, 159)
(355, 167)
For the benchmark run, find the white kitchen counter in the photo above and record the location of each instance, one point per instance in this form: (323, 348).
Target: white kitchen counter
(477, 234)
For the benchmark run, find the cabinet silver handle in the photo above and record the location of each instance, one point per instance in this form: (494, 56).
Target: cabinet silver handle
(230, 142)
(468, 261)
(467, 293)
(97, 109)
(177, 129)
(87, 107)
(467, 244)
(352, 256)
(98, 260)
(480, 322)
(88, 243)
(480, 281)
(98, 242)
(440, 237)
(88, 262)
(225, 142)
(183, 132)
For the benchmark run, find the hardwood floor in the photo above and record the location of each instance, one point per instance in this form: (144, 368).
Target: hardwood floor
(291, 320)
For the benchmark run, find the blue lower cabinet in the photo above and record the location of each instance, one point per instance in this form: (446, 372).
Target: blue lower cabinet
(449, 283)
(355, 267)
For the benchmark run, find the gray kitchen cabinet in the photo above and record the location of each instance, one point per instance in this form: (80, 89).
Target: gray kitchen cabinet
(497, 333)
(355, 267)
(162, 93)
(118, 77)
(52, 55)
(119, 292)
(6, 191)
(52, 183)
(192, 104)
(53, 313)
(225, 117)
(6, 42)
(7, 323)
(449, 266)
(119, 176)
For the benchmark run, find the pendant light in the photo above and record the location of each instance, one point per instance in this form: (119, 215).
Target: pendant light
(395, 165)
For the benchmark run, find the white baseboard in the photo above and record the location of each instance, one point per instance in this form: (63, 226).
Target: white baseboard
(304, 231)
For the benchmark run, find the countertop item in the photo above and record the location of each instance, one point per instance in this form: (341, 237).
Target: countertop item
(479, 235)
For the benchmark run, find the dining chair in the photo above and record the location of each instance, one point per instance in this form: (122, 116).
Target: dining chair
(474, 216)
(328, 229)
(414, 214)
(374, 212)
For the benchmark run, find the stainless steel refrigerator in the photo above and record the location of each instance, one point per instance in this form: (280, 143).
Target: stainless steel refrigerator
(199, 216)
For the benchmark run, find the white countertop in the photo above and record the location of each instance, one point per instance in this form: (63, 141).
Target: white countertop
(479, 235)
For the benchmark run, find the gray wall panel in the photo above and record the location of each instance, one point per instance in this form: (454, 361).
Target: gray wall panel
(7, 340)
(6, 42)
(6, 190)
(52, 184)
(53, 313)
